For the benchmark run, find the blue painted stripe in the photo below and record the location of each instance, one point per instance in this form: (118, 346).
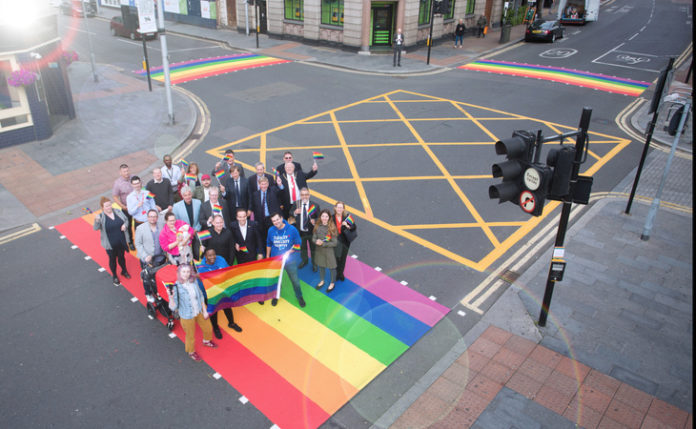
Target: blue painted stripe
(373, 309)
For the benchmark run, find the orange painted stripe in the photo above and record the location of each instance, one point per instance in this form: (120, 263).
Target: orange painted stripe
(317, 382)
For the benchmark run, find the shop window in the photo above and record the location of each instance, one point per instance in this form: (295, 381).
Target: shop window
(424, 12)
(14, 107)
(470, 7)
(294, 10)
(450, 15)
(332, 12)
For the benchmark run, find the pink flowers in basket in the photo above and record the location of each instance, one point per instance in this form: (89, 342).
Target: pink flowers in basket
(69, 57)
(22, 77)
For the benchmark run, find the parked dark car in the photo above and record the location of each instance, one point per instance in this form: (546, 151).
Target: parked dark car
(118, 28)
(74, 8)
(544, 30)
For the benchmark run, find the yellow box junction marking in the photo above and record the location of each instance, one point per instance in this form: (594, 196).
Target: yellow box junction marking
(491, 118)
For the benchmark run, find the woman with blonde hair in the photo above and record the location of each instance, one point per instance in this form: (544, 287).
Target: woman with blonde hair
(186, 297)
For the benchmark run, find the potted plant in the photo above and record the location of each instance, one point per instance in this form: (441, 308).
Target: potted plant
(22, 77)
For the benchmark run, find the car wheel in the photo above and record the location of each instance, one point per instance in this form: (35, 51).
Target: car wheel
(132, 36)
(113, 31)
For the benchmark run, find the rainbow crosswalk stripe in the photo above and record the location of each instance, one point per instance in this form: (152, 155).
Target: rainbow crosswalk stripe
(583, 79)
(312, 360)
(204, 235)
(206, 67)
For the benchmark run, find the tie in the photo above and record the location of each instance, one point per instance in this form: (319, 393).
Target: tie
(236, 192)
(293, 189)
(304, 217)
(263, 203)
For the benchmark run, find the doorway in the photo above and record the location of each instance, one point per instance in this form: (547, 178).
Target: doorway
(382, 24)
(263, 25)
(231, 13)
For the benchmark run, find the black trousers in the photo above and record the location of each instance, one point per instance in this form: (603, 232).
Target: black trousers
(214, 316)
(117, 253)
(129, 225)
(341, 252)
(305, 237)
(397, 55)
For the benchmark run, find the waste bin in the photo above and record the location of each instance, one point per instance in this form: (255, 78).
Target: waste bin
(505, 33)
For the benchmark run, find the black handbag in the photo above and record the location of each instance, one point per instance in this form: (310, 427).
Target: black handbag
(349, 234)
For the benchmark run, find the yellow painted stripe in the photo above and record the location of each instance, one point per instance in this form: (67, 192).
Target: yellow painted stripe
(342, 357)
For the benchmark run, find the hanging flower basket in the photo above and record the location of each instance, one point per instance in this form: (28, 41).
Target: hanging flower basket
(69, 57)
(22, 77)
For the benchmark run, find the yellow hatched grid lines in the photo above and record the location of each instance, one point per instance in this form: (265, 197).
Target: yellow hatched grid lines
(483, 118)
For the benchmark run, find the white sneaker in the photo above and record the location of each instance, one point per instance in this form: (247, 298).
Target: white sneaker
(150, 298)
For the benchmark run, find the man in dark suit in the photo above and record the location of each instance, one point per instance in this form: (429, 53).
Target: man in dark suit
(265, 202)
(208, 211)
(306, 213)
(287, 157)
(226, 166)
(236, 191)
(247, 239)
(260, 172)
(292, 182)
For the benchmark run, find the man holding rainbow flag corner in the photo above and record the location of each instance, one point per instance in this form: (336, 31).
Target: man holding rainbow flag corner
(282, 238)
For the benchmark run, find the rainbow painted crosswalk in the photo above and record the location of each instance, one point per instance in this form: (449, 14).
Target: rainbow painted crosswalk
(297, 365)
(597, 81)
(205, 67)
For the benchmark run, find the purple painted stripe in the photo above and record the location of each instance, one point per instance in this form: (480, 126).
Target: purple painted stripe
(402, 297)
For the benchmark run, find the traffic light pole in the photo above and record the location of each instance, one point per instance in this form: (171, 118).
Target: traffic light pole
(430, 35)
(565, 211)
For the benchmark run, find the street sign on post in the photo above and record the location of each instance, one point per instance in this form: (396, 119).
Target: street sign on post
(147, 20)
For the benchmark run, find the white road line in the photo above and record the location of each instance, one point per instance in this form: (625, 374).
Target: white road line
(101, 269)
(74, 246)
(432, 298)
(172, 335)
(243, 399)
(51, 227)
(378, 269)
(461, 313)
(87, 258)
(130, 42)
(134, 299)
(354, 256)
(217, 376)
(633, 37)
(62, 237)
(82, 31)
(404, 282)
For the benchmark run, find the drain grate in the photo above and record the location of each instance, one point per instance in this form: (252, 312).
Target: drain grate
(509, 276)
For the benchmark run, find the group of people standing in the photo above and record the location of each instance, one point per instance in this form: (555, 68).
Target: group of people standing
(239, 220)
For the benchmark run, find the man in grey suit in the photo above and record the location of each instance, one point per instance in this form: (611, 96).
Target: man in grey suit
(148, 245)
(188, 209)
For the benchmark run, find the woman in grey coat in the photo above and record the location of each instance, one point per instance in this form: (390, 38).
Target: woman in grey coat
(324, 236)
(113, 225)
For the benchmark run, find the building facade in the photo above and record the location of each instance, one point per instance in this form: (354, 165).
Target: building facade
(361, 24)
(35, 92)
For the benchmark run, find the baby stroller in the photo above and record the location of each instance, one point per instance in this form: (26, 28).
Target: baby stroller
(155, 303)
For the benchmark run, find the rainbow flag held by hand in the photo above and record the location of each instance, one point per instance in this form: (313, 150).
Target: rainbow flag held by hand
(226, 157)
(317, 155)
(150, 196)
(243, 284)
(184, 163)
(275, 173)
(87, 210)
(243, 249)
(327, 237)
(190, 176)
(312, 209)
(204, 235)
(349, 220)
(295, 247)
(220, 174)
(217, 209)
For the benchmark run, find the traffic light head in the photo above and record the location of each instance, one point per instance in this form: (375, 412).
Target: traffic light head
(562, 162)
(518, 150)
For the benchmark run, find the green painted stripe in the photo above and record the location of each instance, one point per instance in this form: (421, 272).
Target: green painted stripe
(353, 328)
(204, 65)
